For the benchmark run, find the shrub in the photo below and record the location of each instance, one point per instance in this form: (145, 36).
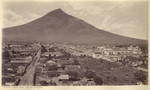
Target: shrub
(140, 77)
(98, 80)
(6, 55)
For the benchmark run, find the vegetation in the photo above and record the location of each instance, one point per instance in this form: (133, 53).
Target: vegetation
(98, 80)
(53, 68)
(63, 66)
(49, 57)
(6, 55)
(43, 49)
(43, 83)
(107, 73)
(76, 62)
(141, 77)
(73, 75)
(90, 74)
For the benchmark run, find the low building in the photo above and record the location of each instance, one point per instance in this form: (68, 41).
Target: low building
(22, 60)
(63, 77)
(64, 62)
(50, 63)
(72, 67)
(84, 81)
(52, 54)
(10, 83)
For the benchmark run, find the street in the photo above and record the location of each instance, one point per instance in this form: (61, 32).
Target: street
(28, 77)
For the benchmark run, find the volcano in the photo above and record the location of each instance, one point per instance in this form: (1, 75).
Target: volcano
(58, 26)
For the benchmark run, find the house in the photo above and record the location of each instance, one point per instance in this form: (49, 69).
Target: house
(54, 73)
(10, 83)
(46, 54)
(56, 54)
(63, 77)
(10, 69)
(65, 62)
(142, 69)
(85, 81)
(72, 67)
(136, 48)
(21, 61)
(51, 62)
(97, 55)
(42, 58)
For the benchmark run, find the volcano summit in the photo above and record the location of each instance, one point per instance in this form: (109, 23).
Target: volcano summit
(57, 26)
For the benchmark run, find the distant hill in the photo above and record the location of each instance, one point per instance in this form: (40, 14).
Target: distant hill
(57, 26)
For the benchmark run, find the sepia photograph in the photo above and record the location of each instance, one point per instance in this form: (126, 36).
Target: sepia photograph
(92, 43)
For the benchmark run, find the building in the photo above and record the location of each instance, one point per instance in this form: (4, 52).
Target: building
(63, 77)
(84, 81)
(46, 54)
(72, 67)
(116, 53)
(50, 62)
(64, 62)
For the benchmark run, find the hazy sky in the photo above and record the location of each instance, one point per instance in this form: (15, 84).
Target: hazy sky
(123, 18)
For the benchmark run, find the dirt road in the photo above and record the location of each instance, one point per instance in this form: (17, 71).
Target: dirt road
(28, 77)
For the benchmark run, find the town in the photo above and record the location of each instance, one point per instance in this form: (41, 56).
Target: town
(57, 64)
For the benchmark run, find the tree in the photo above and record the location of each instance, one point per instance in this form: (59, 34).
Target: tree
(63, 66)
(13, 52)
(43, 49)
(53, 68)
(6, 55)
(66, 55)
(98, 80)
(49, 57)
(140, 76)
(51, 49)
(90, 74)
(43, 83)
(73, 75)
(76, 62)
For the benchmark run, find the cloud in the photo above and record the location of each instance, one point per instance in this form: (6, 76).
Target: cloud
(131, 29)
(105, 22)
(120, 18)
(33, 16)
(11, 18)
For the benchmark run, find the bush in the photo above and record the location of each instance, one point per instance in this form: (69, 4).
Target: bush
(73, 75)
(43, 83)
(76, 62)
(140, 77)
(63, 66)
(98, 80)
(6, 55)
(52, 68)
(43, 49)
(90, 74)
